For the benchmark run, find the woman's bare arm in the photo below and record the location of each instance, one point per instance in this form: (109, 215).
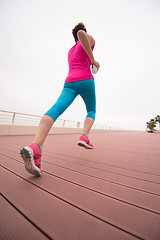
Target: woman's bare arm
(87, 42)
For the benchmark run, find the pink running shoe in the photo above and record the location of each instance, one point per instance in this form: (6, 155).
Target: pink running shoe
(31, 156)
(84, 142)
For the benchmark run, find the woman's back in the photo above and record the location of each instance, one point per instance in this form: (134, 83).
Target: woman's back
(79, 64)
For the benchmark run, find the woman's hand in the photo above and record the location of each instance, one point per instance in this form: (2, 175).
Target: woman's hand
(94, 62)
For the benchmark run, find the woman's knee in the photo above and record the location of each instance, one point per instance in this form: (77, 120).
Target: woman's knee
(91, 114)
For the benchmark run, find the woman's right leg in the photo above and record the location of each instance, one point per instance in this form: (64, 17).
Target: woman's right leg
(88, 123)
(87, 92)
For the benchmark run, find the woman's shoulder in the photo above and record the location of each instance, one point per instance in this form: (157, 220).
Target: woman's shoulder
(90, 38)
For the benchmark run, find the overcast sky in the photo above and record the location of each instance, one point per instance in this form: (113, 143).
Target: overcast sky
(37, 34)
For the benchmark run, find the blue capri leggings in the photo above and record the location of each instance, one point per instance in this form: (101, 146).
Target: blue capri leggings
(85, 88)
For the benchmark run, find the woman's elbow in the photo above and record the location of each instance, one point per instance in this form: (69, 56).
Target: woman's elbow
(81, 34)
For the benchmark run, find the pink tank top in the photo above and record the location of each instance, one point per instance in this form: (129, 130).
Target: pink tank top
(79, 64)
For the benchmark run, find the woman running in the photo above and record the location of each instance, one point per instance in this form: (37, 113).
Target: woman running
(79, 81)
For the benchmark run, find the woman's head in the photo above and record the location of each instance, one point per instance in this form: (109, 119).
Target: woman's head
(79, 26)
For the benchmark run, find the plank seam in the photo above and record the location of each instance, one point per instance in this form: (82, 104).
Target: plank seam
(29, 220)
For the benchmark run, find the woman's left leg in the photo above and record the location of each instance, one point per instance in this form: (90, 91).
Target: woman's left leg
(65, 99)
(31, 154)
(43, 130)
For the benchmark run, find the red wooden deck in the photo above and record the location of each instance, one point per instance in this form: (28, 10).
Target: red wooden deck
(111, 192)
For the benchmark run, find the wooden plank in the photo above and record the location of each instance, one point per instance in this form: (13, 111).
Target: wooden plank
(131, 196)
(102, 163)
(122, 155)
(60, 219)
(117, 213)
(14, 225)
(121, 180)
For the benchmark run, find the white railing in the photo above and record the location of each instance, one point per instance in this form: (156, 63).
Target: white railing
(15, 118)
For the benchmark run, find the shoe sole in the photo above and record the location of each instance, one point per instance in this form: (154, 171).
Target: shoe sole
(85, 145)
(27, 156)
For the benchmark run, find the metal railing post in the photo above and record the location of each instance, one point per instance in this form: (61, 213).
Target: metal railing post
(14, 114)
(78, 124)
(64, 123)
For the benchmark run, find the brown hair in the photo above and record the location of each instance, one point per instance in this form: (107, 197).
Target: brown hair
(79, 26)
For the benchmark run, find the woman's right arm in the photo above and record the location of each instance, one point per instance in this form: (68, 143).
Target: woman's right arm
(87, 42)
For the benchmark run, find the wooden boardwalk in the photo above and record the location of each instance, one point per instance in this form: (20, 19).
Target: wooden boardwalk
(109, 193)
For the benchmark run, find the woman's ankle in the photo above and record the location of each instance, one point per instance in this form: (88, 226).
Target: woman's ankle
(39, 145)
(85, 135)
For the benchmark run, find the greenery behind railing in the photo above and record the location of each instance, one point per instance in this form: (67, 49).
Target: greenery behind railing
(153, 123)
